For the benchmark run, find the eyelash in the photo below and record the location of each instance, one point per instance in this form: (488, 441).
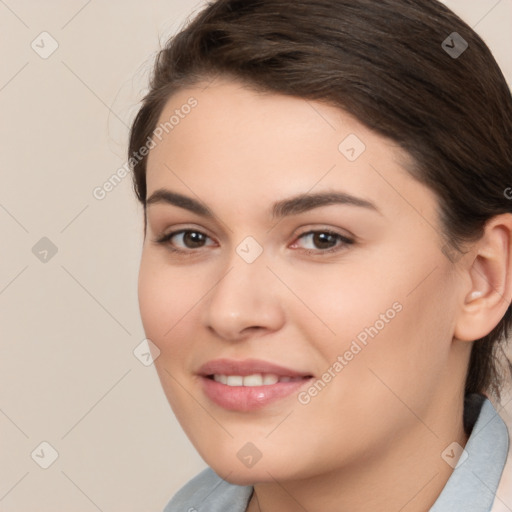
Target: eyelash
(344, 241)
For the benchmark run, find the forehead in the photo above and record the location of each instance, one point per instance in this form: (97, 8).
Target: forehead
(250, 146)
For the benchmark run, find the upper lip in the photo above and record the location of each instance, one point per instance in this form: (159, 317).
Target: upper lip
(247, 367)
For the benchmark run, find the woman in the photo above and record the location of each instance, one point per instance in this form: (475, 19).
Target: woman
(327, 264)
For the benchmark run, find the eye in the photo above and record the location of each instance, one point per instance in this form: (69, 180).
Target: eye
(186, 239)
(322, 241)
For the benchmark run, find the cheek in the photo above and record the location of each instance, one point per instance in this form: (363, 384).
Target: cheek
(166, 309)
(166, 300)
(340, 303)
(171, 299)
(405, 350)
(386, 316)
(152, 299)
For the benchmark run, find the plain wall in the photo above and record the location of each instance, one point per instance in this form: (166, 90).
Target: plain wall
(69, 321)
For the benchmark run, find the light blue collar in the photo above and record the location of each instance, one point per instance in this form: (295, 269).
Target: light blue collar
(472, 485)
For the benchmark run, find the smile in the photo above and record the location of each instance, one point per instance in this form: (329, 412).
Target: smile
(256, 379)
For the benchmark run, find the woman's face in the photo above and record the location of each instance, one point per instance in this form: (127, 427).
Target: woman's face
(303, 308)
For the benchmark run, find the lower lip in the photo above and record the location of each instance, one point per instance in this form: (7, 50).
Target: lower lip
(248, 398)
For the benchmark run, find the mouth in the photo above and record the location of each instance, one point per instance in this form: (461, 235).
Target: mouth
(250, 384)
(248, 368)
(256, 379)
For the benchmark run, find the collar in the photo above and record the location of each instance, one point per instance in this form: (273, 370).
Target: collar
(472, 485)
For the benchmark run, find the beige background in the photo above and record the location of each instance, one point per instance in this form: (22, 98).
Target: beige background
(69, 325)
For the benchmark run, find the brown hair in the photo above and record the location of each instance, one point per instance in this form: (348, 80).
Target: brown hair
(385, 62)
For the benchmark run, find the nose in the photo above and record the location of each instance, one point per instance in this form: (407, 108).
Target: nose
(244, 302)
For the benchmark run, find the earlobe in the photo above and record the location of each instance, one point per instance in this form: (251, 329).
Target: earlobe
(489, 293)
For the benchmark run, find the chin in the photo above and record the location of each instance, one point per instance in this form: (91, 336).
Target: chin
(247, 476)
(236, 473)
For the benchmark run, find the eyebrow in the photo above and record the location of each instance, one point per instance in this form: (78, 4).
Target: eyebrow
(306, 202)
(286, 207)
(163, 195)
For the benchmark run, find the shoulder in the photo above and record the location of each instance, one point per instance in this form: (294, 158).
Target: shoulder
(207, 492)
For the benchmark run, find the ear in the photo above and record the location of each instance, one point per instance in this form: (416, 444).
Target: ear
(488, 292)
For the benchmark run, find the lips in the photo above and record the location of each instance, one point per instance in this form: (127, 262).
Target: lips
(247, 367)
(250, 384)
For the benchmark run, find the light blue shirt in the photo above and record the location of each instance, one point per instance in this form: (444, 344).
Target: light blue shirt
(471, 487)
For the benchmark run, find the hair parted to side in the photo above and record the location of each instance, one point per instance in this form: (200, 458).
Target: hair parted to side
(382, 62)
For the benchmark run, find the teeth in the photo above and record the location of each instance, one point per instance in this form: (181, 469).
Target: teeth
(253, 380)
(235, 380)
(256, 379)
(220, 378)
(270, 379)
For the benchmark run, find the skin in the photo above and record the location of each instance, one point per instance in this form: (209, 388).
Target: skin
(373, 437)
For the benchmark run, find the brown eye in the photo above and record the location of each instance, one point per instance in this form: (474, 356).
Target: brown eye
(322, 241)
(193, 239)
(186, 239)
